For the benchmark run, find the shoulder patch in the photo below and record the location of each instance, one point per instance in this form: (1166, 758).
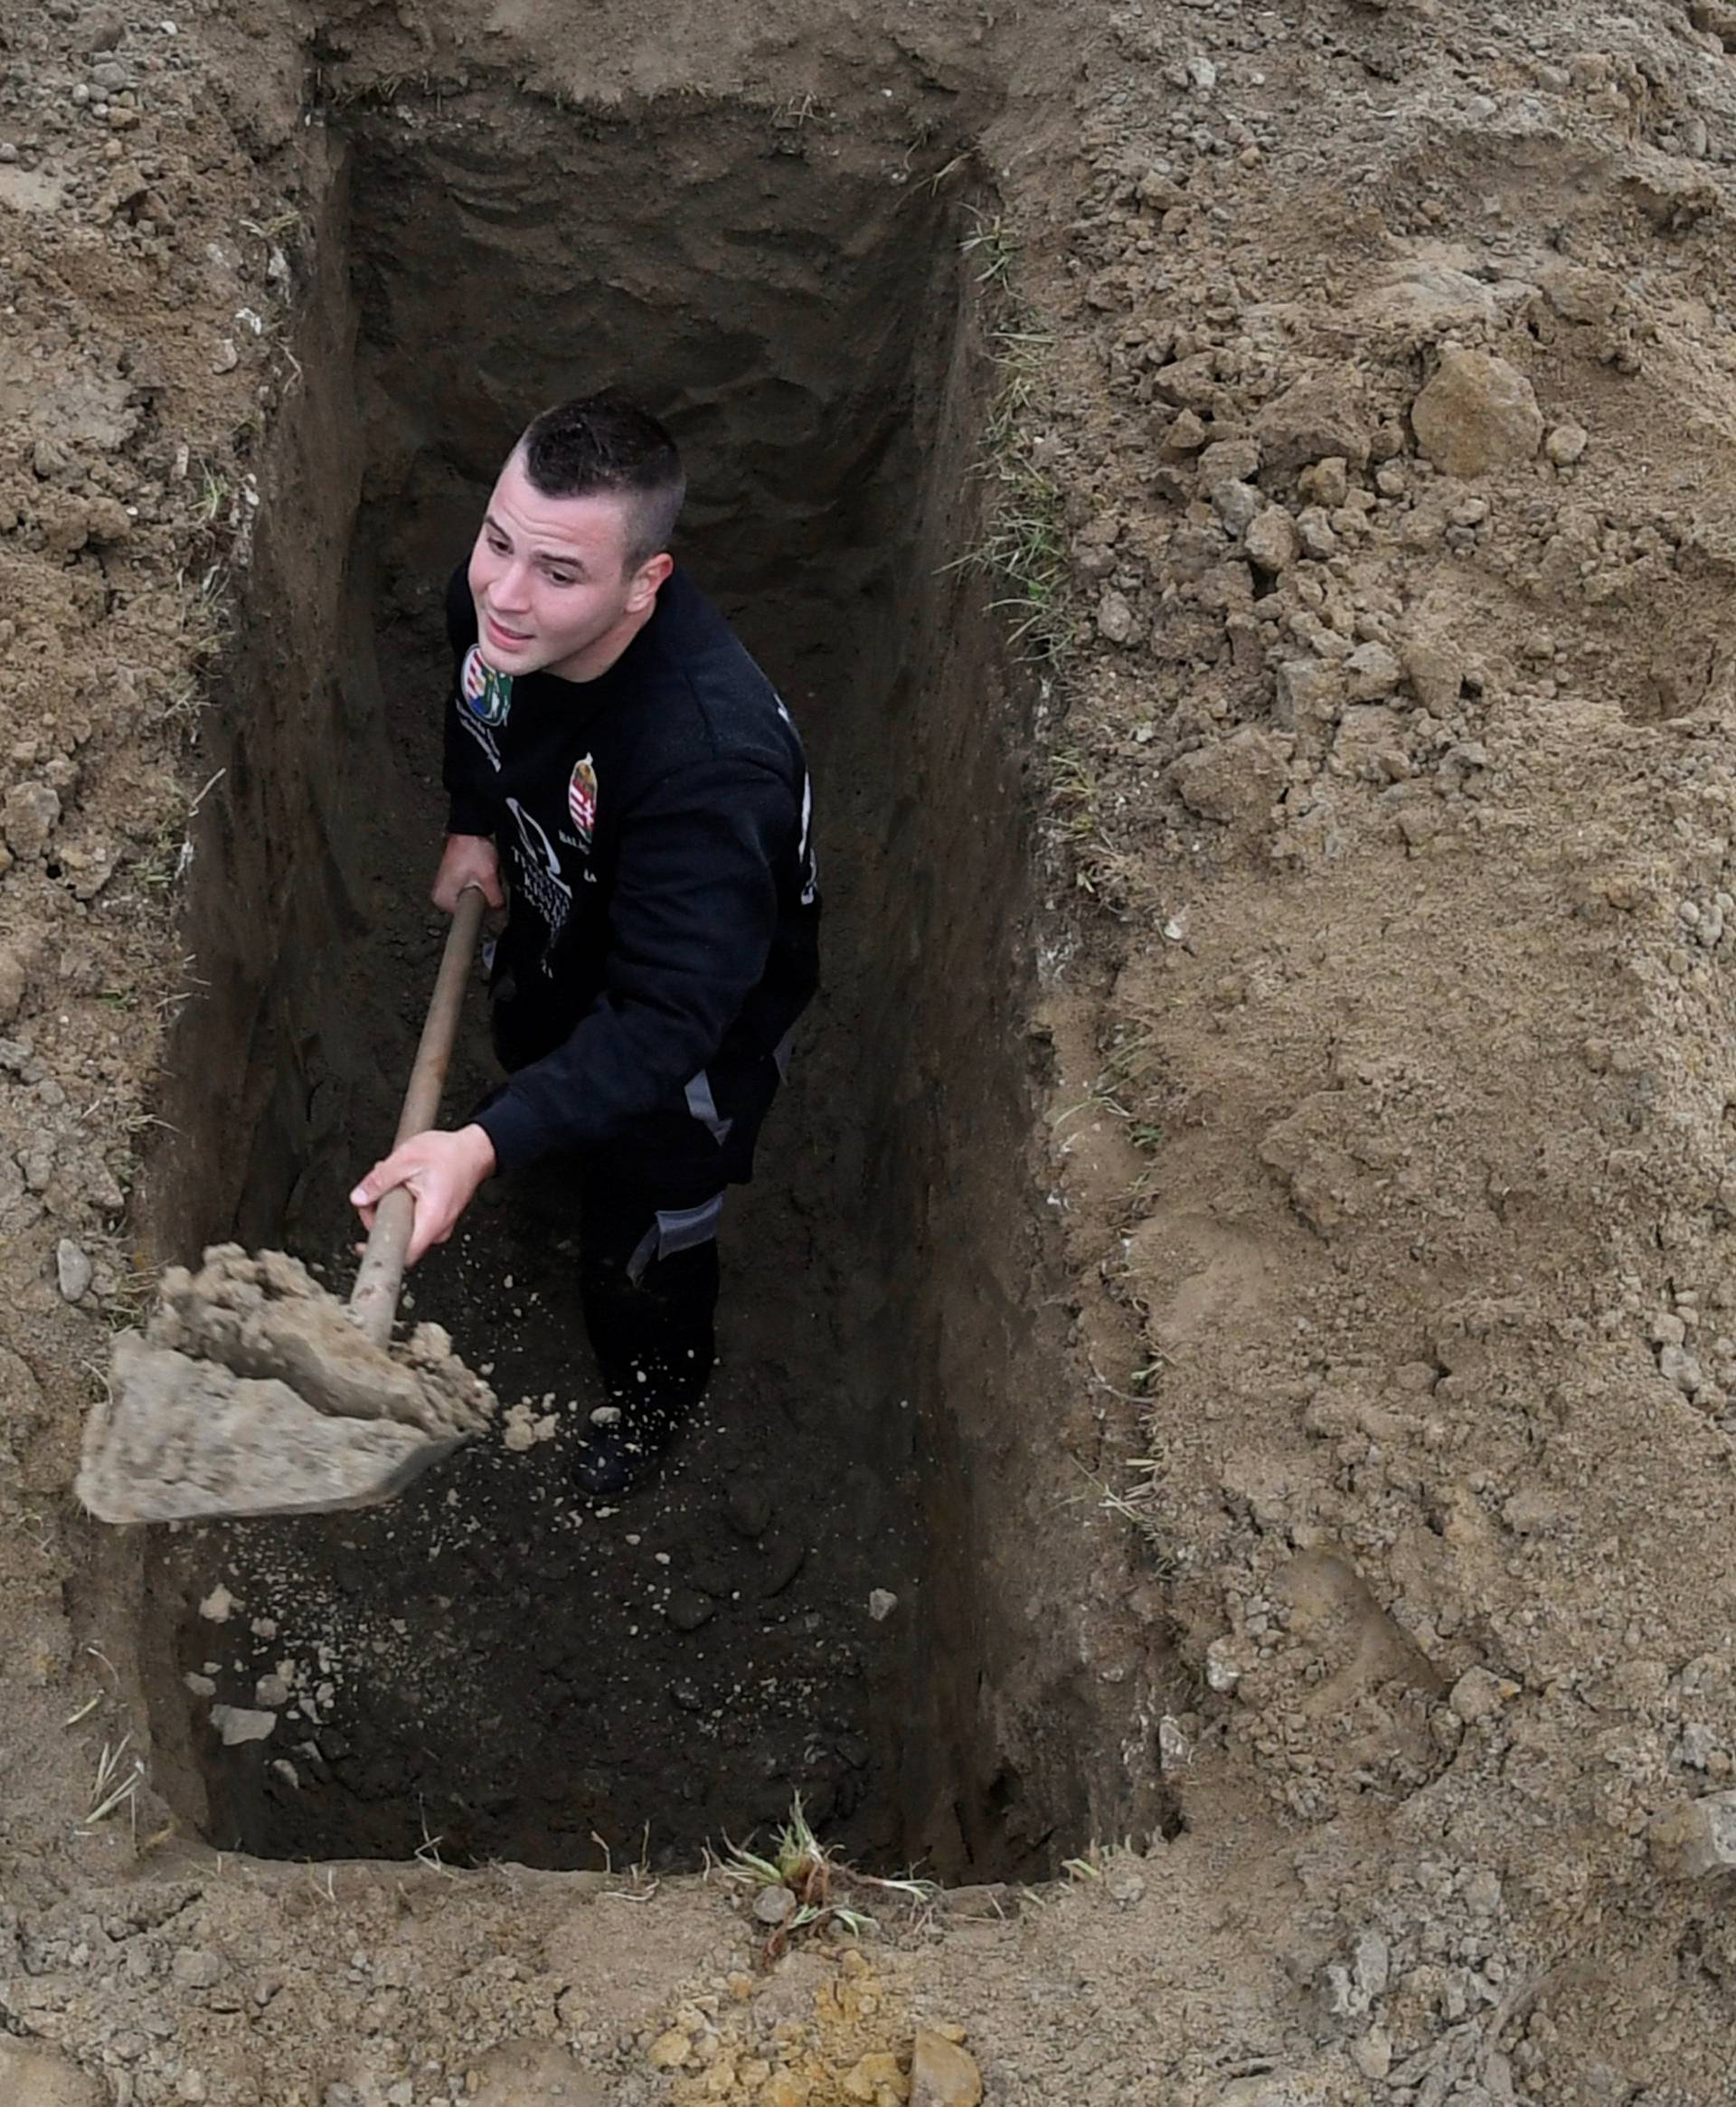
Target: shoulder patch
(483, 693)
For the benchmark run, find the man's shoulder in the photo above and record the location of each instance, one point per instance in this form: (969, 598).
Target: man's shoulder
(694, 635)
(710, 679)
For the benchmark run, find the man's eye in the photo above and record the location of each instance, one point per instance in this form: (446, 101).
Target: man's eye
(558, 578)
(500, 547)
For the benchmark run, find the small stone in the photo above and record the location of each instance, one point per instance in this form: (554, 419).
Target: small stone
(1580, 295)
(669, 2051)
(1237, 505)
(1124, 1887)
(687, 1608)
(942, 2074)
(746, 1508)
(227, 358)
(1187, 434)
(236, 1724)
(201, 1686)
(1116, 621)
(1314, 533)
(772, 1905)
(1695, 1837)
(1228, 460)
(1328, 482)
(1477, 414)
(1566, 444)
(1373, 2054)
(271, 1692)
(1238, 778)
(872, 2074)
(196, 1968)
(73, 1267)
(783, 2089)
(518, 1429)
(882, 1602)
(1436, 670)
(1309, 692)
(1372, 672)
(1476, 1695)
(1371, 1964)
(1321, 416)
(1677, 1366)
(1222, 1671)
(1271, 541)
(30, 815)
(217, 1606)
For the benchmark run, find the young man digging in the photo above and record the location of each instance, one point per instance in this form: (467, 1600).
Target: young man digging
(625, 781)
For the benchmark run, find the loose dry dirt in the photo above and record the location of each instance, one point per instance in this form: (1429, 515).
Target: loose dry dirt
(1355, 1538)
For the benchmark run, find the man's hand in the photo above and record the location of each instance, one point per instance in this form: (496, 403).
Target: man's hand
(442, 1172)
(467, 859)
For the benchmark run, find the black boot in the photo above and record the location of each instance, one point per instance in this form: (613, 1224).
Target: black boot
(624, 1443)
(650, 1319)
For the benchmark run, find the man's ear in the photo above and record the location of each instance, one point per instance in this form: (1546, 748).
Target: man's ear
(647, 579)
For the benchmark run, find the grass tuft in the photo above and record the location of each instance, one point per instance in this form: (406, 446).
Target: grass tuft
(816, 1879)
(1023, 545)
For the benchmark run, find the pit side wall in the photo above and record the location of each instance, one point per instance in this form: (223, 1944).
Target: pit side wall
(1022, 1751)
(265, 890)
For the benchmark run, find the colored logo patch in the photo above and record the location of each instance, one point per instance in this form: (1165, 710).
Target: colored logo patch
(581, 800)
(486, 695)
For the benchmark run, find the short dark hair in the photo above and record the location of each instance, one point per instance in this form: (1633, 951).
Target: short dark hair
(603, 443)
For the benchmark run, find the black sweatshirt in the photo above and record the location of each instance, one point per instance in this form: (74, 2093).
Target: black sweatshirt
(653, 824)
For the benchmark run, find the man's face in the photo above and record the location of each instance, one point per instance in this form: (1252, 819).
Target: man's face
(549, 577)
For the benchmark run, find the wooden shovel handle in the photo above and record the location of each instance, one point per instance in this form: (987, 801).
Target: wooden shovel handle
(373, 1302)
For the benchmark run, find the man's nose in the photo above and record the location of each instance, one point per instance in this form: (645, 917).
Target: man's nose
(512, 587)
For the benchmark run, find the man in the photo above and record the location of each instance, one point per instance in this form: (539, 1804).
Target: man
(624, 775)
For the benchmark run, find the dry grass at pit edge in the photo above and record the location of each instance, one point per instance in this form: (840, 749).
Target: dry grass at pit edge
(818, 1879)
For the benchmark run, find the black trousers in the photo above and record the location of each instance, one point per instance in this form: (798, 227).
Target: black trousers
(649, 1282)
(650, 1203)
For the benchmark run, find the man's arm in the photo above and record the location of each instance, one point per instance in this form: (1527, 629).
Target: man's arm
(692, 919)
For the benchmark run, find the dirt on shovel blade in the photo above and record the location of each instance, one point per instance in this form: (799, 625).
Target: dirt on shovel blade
(252, 1392)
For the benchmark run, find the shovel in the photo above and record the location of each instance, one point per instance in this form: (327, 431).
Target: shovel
(252, 1391)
